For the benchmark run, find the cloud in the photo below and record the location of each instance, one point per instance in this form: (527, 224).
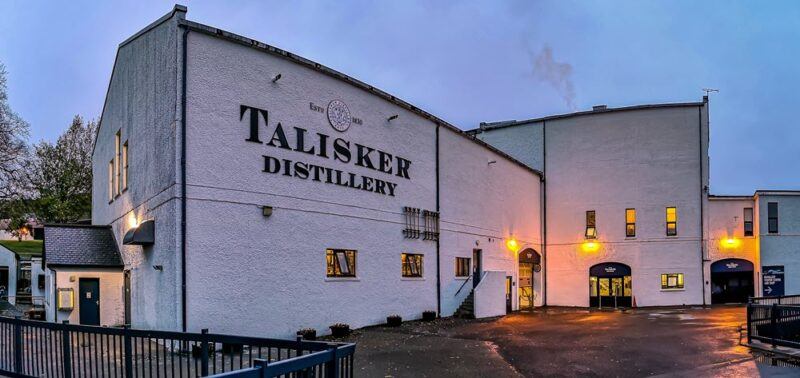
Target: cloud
(556, 74)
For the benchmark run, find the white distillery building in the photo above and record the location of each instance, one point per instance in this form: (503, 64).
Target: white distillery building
(250, 191)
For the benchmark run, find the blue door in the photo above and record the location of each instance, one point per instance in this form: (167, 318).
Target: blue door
(89, 305)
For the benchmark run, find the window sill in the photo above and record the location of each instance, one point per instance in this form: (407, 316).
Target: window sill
(412, 278)
(684, 289)
(630, 238)
(342, 279)
(462, 278)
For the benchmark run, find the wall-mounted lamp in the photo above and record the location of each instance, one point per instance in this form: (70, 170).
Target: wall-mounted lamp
(266, 211)
(142, 234)
(276, 78)
(512, 245)
(590, 246)
(392, 118)
(158, 267)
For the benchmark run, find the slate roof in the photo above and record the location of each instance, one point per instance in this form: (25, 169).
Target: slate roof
(81, 246)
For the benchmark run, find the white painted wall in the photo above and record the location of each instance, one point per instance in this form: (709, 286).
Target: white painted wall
(111, 295)
(9, 260)
(647, 159)
(490, 295)
(142, 103)
(784, 247)
(726, 222)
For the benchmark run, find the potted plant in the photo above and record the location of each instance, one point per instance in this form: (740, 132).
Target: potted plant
(340, 329)
(394, 320)
(428, 315)
(307, 333)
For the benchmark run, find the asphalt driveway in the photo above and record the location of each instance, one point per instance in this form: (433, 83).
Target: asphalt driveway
(690, 341)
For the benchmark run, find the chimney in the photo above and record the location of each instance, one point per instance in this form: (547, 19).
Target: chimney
(598, 108)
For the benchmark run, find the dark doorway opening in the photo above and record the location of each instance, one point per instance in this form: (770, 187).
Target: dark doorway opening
(610, 285)
(476, 267)
(89, 304)
(509, 290)
(731, 281)
(4, 280)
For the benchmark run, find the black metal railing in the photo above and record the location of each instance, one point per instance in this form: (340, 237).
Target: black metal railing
(30, 348)
(774, 324)
(784, 299)
(318, 364)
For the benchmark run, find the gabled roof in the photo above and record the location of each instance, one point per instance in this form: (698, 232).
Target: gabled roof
(81, 246)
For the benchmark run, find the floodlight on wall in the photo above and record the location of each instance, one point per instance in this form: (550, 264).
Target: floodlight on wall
(276, 78)
(392, 118)
(266, 211)
(143, 234)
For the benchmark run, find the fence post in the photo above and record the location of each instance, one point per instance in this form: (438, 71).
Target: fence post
(66, 349)
(261, 364)
(332, 367)
(126, 336)
(773, 322)
(17, 345)
(204, 352)
(749, 319)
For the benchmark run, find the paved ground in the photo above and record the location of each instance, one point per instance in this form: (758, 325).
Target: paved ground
(686, 342)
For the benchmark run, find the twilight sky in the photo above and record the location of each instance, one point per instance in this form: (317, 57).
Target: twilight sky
(468, 62)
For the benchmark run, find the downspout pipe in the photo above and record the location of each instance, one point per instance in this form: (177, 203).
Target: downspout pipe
(438, 242)
(702, 202)
(544, 213)
(183, 178)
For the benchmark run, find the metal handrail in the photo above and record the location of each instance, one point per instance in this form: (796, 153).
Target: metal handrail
(464, 283)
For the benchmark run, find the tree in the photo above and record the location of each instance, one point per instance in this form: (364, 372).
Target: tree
(13, 149)
(61, 175)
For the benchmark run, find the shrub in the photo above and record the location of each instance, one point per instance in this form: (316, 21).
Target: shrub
(340, 329)
(394, 320)
(307, 333)
(428, 315)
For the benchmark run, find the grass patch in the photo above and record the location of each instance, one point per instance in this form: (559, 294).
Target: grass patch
(25, 247)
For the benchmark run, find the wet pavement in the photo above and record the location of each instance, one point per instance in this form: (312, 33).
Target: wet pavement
(685, 342)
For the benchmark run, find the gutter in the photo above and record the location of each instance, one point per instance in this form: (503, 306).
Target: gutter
(183, 178)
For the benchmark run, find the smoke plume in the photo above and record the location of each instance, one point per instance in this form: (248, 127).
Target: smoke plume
(557, 74)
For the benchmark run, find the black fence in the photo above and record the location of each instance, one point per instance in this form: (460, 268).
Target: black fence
(774, 324)
(30, 348)
(786, 299)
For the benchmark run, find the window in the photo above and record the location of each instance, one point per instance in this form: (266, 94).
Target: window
(672, 281)
(40, 281)
(111, 180)
(748, 221)
(341, 262)
(412, 264)
(125, 166)
(117, 159)
(772, 217)
(630, 223)
(591, 226)
(672, 221)
(462, 267)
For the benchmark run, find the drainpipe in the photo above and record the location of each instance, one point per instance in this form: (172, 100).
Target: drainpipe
(702, 202)
(183, 180)
(438, 243)
(544, 215)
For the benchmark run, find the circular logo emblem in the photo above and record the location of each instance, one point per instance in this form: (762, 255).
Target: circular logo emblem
(339, 115)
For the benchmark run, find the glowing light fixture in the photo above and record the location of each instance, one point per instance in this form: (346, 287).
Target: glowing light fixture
(132, 222)
(512, 245)
(590, 246)
(730, 242)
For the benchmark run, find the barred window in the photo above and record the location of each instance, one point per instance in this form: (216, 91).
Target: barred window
(463, 267)
(672, 281)
(412, 264)
(341, 262)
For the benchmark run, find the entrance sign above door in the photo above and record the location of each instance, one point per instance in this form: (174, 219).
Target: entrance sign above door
(731, 265)
(610, 269)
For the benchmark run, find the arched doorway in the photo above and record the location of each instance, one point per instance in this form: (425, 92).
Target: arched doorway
(610, 285)
(530, 262)
(731, 281)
